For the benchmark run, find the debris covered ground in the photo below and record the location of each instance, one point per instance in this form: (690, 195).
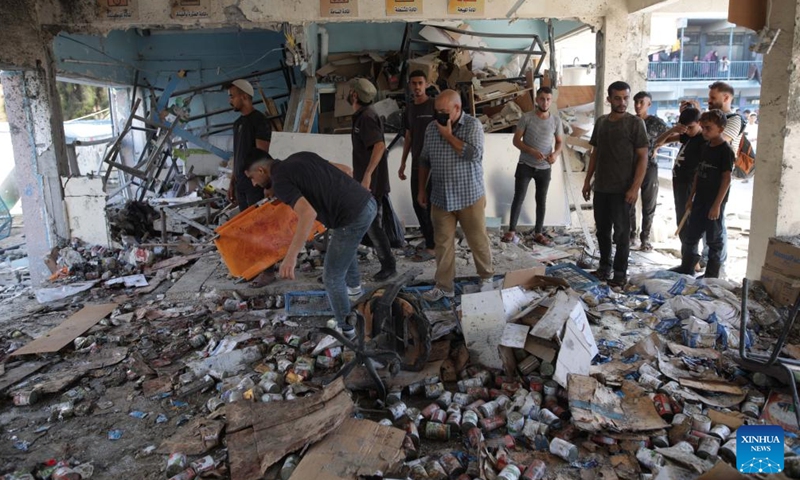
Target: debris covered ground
(549, 375)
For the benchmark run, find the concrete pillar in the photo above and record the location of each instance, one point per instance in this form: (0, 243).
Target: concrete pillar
(622, 46)
(37, 137)
(776, 209)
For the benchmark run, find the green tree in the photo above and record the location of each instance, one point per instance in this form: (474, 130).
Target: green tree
(79, 100)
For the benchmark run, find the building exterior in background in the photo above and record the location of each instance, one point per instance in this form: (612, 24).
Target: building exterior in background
(707, 50)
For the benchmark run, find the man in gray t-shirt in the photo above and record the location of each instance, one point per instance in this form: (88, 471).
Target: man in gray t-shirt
(619, 159)
(538, 138)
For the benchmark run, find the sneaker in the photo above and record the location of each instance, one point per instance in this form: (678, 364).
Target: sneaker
(601, 275)
(355, 291)
(384, 275)
(348, 331)
(435, 294)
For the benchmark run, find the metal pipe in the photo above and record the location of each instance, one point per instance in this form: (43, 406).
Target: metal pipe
(482, 34)
(480, 49)
(216, 84)
(229, 109)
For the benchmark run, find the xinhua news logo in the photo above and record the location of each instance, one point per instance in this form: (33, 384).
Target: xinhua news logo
(759, 449)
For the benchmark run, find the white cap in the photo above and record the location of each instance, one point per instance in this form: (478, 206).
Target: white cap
(244, 86)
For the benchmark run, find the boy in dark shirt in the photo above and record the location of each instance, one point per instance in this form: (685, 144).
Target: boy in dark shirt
(708, 197)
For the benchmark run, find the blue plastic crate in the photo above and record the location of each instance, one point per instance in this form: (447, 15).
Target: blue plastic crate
(313, 303)
(577, 278)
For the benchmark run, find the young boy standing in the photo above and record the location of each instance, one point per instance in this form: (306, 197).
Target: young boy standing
(708, 197)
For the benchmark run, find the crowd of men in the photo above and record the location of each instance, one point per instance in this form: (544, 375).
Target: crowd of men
(447, 182)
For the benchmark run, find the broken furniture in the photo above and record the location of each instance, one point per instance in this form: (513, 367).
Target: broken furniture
(774, 365)
(5, 220)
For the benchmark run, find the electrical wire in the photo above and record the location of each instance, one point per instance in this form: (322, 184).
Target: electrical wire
(101, 52)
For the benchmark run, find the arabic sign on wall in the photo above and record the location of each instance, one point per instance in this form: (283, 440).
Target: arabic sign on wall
(116, 10)
(189, 9)
(403, 7)
(338, 8)
(465, 7)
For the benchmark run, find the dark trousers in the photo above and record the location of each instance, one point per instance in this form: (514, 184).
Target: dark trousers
(522, 178)
(714, 232)
(649, 201)
(612, 211)
(380, 242)
(681, 189)
(423, 213)
(247, 195)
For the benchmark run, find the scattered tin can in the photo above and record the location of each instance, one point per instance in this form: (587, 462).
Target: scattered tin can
(536, 384)
(413, 414)
(474, 406)
(751, 409)
(428, 411)
(454, 420)
(412, 432)
(411, 450)
(445, 399)
(397, 410)
(708, 447)
(692, 440)
(271, 397)
(418, 471)
(679, 418)
(663, 407)
(479, 393)
(202, 465)
(474, 437)
(701, 423)
(647, 369)
(757, 398)
(437, 431)
(462, 399)
(198, 340)
(692, 408)
(325, 362)
(506, 441)
(386, 422)
(650, 458)
(564, 449)
(289, 395)
(515, 422)
(439, 416)
(720, 431)
(453, 408)
(416, 388)
(535, 471)
(660, 441)
(488, 409)
(550, 418)
(547, 369)
(469, 420)
(511, 472)
(451, 465)
(214, 403)
(650, 381)
(492, 423)
(268, 386)
(529, 365)
(288, 466)
(434, 390)
(550, 387)
(484, 376)
(176, 463)
(27, 396)
(603, 440)
(728, 451)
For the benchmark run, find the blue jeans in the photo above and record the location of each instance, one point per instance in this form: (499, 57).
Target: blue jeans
(341, 260)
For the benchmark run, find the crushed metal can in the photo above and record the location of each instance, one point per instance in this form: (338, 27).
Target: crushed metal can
(452, 466)
(437, 431)
(176, 463)
(203, 465)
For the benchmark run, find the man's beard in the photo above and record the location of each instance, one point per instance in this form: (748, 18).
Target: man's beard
(620, 109)
(543, 110)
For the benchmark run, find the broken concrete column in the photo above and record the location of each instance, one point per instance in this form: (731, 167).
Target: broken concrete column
(37, 136)
(622, 46)
(776, 210)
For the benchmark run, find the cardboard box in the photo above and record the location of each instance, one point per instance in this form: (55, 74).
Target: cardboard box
(428, 64)
(783, 257)
(783, 289)
(341, 108)
(351, 65)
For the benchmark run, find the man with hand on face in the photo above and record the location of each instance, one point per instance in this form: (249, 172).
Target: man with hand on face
(371, 167)
(619, 160)
(452, 155)
(654, 127)
(318, 189)
(538, 138)
(416, 118)
(251, 131)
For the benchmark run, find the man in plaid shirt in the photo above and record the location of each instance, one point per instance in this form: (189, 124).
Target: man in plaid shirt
(452, 156)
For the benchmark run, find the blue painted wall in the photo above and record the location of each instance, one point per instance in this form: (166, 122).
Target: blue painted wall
(110, 59)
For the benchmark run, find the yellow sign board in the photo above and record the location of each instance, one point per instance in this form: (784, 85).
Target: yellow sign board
(189, 9)
(465, 7)
(403, 7)
(338, 8)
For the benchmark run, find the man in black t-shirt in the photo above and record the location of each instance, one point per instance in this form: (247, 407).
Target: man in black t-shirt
(708, 197)
(318, 189)
(371, 167)
(418, 114)
(250, 131)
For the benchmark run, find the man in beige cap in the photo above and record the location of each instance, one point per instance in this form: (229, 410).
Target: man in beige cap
(370, 166)
(251, 131)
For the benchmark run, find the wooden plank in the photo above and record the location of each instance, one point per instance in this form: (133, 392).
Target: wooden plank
(241, 415)
(243, 454)
(193, 280)
(359, 379)
(711, 386)
(292, 109)
(71, 328)
(20, 373)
